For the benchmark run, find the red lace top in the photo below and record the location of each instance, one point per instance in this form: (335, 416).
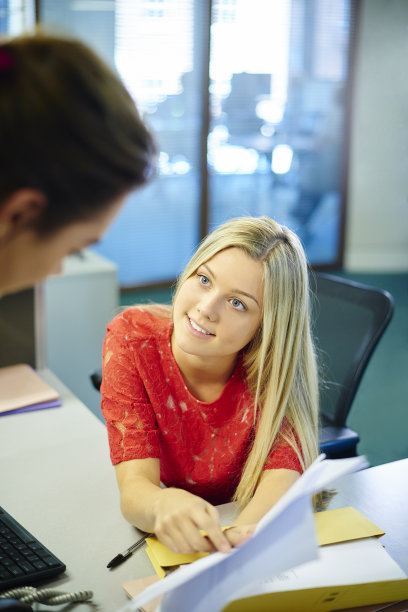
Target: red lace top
(149, 412)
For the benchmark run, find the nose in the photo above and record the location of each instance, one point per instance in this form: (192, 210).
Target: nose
(208, 307)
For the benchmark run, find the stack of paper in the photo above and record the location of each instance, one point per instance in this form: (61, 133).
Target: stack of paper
(332, 527)
(22, 390)
(348, 574)
(284, 538)
(352, 568)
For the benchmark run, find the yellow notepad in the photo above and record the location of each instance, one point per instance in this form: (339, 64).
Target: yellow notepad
(344, 525)
(332, 526)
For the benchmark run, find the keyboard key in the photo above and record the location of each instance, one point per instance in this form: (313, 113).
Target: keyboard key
(26, 566)
(4, 575)
(35, 546)
(50, 561)
(6, 548)
(39, 564)
(15, 570)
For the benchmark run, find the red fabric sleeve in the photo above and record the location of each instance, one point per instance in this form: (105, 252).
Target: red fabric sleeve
(283, 455)
(130, 419)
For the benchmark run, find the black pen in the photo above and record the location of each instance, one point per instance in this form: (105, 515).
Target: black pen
(125, 555)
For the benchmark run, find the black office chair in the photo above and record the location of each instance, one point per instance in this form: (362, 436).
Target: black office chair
(96, 379)
(349, 319)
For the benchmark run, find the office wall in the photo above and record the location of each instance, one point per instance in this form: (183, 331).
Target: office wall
(79, 303)
(377, 217)
(17, 329)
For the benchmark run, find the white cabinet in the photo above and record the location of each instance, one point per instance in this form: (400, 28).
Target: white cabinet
(77, 306)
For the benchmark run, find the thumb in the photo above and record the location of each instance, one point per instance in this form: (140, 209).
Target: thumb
(238, 534)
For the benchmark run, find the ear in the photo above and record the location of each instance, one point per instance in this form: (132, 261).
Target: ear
(22, 209)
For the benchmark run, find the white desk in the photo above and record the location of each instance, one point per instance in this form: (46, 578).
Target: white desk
(57, 480)
(381, 494)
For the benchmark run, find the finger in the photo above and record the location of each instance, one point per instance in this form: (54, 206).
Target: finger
(210, 524)
(197, 541)
(237, 535)
(184, 537)
(191, 526)
(175, 540)
(168, 531)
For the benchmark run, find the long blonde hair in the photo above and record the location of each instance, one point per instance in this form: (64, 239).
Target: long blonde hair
(280, 360)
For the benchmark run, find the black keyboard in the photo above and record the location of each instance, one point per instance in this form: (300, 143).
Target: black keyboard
(23, 559)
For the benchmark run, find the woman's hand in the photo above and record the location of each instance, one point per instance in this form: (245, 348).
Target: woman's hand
(238, 534)
(179, 517)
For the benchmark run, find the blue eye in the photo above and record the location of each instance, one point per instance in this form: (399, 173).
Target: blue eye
(203, 279)
(237, 304)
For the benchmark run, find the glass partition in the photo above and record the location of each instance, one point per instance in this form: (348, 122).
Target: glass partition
(279, 72)
(247, 99)
(16, 16)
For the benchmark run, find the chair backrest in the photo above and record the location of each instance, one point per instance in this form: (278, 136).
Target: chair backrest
(348, 319)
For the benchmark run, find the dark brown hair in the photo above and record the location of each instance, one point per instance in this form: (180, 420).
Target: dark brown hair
(69, 128)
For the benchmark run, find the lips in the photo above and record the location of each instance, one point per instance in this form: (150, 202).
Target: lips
(197, 327)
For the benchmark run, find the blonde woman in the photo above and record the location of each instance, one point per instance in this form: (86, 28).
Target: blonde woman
(217, 397)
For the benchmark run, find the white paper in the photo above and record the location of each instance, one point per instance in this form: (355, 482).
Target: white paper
(284, 538)
(318, 476)
(355, 562)
(291, 536)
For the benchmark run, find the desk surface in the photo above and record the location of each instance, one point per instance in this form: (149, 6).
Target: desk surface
(381, 494)
(57, 480)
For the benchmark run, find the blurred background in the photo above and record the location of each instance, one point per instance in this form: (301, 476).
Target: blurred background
(295, 109)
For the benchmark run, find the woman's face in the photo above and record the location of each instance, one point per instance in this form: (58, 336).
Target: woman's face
(26, 258)
(218, 309)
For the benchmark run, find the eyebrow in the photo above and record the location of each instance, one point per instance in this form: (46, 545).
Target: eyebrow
(232, 290)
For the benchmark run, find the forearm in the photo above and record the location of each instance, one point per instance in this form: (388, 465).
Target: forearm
(174, 515)
(273, 484)
(137, 501)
